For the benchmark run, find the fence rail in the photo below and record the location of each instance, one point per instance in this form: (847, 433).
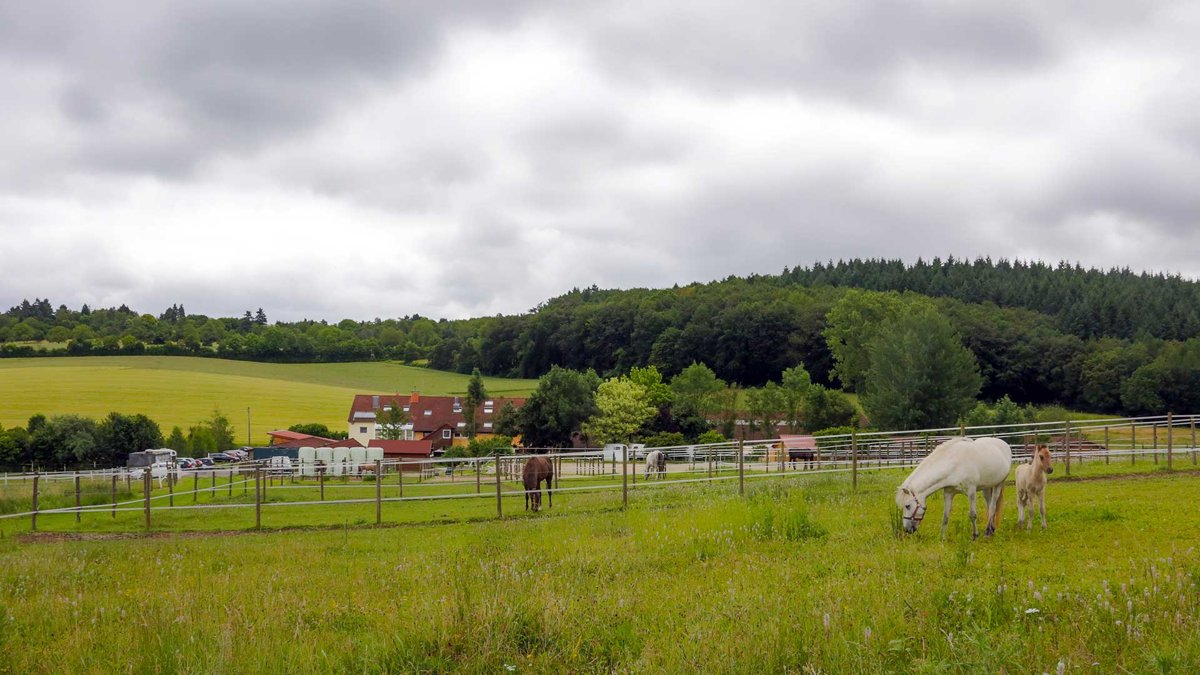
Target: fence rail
(1165, 437)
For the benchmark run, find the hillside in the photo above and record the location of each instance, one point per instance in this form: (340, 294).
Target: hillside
(183, 390)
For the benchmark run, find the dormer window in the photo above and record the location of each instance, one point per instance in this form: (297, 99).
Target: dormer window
(461, 425)
(405, 408)
(488, 403)
(428, 413)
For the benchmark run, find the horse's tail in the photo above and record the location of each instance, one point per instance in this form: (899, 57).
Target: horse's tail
(999, 508)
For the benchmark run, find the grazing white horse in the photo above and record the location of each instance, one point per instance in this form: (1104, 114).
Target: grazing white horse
(656, 463)
(1031, 482)
(958, 465)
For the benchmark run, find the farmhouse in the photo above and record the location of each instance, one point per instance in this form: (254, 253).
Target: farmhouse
(437, 419)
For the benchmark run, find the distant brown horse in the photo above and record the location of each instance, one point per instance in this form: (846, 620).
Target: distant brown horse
(537, 469)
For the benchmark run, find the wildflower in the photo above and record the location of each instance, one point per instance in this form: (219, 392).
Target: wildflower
(1033, 610)
(827, 622)
(1061, 667)
(867, 633)
(1037, 596)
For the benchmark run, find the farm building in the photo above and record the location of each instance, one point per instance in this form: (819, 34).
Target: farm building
(437, 419)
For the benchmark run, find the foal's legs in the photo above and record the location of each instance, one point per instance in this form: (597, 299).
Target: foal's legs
(947, 502)
(1042, 506)
(1020, 508)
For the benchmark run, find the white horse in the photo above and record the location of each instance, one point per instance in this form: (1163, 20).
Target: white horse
(1031, 482)
(958, 465)
(656, 462)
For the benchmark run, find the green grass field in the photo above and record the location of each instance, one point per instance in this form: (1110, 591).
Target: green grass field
(800, 575)
(175, 390)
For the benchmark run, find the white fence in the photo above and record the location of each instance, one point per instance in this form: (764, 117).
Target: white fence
(1167, 438)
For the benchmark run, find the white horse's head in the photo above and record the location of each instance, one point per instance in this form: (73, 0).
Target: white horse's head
(912, 506)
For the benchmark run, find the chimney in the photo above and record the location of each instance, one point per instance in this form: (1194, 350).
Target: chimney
(414, 398)
(375, 402)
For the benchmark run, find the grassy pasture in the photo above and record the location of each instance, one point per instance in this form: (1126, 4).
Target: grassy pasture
(176, 390)
(801, 575)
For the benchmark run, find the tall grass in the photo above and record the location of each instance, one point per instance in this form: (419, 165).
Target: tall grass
(804, 577)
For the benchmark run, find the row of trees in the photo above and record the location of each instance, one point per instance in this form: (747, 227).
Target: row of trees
(1040, 334)
(694, 406)
(73, 441)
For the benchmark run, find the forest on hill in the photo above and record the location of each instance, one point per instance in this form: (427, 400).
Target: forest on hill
(1103, 340)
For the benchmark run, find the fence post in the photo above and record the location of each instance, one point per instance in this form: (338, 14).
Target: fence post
(962, 429)
(1154, 429)
(146, 494)
(170, 489)
(77, 514)
(1067, 443)
(231, 469)
(1170, 439)
(499, 502)
(1106, 448)
(624, 476)
(478, 483)
(195, 487)
(378, 492)
(1192, 424)
(1132, 443)
(258, 494)
(33, 514)
(741, 467)
(321, 481)
(400, 480)
(854, 458)
(114, 494)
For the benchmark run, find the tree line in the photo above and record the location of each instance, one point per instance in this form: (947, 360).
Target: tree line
(73, 441)
(1110, 341)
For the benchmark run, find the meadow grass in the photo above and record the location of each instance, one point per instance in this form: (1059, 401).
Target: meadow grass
(180, 390)
(800, 574)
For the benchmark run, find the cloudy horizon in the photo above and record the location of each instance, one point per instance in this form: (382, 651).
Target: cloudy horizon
(376, 159)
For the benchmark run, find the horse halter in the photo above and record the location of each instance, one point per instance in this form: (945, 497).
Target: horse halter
(918, 510)
(918, 513)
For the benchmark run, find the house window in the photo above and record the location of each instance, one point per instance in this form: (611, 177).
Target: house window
(387, 408)
(446, 433)
(428, 413)
(488, 403)
(362, 430)
(487, 425)
(461, 425)
(406, 408)
(487, 410)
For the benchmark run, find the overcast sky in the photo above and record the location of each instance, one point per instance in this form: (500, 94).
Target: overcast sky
(358, 160)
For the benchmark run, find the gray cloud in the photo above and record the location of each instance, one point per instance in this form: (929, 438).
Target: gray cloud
(378, 159)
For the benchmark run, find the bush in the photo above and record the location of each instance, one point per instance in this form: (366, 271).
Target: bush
(710, 436)
(664, 439)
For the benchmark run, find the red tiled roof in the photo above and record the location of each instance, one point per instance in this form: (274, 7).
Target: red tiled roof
(403, 448)
(307, 441)
(428, 413)
(289, 435)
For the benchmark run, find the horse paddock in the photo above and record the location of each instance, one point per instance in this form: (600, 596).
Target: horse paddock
(794, 575)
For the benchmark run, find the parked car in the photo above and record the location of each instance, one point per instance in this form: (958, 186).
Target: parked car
(188, 463)
(205, 463)
(222, 457)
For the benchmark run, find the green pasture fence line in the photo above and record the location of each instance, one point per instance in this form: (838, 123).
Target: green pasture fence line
(846, 453)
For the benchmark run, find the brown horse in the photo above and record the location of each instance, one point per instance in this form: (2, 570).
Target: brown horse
(537, 469)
